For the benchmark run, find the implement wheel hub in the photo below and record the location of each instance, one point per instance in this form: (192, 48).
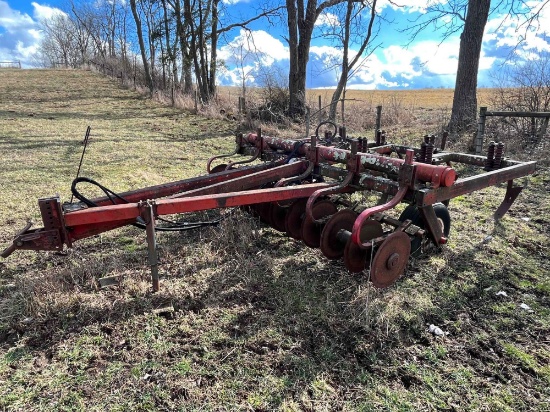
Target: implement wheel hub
(390, 260)
(356, 258)
(331, 246)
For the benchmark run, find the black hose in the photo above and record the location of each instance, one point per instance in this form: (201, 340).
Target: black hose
(175, 226)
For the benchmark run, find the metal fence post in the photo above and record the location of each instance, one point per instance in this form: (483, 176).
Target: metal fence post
(320, 114)
(480, 130)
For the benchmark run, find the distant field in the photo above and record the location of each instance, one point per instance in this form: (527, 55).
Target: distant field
(421, 98)
(260, 322)
(407, 115)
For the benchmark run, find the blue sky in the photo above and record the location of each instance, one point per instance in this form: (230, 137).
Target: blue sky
(425, 63)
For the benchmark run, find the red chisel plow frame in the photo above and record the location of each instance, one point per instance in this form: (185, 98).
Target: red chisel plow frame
(300, 187)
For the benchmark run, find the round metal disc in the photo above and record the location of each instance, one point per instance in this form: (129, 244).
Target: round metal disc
(218, 168)
(311, 231)
(252, 209)
(263, 210)
(331, 246)
(293, 219)
(390, 260)
(278, 214)
(355, 258)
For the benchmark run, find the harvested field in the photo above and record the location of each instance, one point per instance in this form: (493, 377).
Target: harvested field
(259, 322)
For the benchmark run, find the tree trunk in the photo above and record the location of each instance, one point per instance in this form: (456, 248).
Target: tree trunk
(148, 78)
(186, 62)
(343, 80)
(169, 49)
(213, 50)
(347, 66)
(464, 112)
(293, 49)
(300, 29)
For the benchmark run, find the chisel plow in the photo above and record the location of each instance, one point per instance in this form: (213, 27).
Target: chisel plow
(305, 188)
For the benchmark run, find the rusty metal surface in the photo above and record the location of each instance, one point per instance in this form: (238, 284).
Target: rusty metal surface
(473, 183)
(311, 228)
(433, 225)
(423, 178)
(333, 245)
(355, 257)
(277, 216)
(191, 204)
(249, 181)
(390, 260)
(437, 175)
(512, 192)
(167, 189)
(294, 217)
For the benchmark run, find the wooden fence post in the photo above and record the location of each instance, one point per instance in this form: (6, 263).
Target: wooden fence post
(544, 127)
(378, 120)
(196, 102)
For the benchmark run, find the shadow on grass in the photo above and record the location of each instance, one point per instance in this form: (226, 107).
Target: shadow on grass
(293, 322)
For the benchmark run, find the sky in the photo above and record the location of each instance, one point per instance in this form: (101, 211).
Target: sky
(429, 61)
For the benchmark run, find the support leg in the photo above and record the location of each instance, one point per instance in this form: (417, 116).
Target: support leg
(148, 216)
(511, 194)
(432, 224)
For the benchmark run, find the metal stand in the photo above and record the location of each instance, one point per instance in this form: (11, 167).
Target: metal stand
(148, 215)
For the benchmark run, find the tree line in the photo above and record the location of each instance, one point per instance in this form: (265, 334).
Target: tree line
(177, 41)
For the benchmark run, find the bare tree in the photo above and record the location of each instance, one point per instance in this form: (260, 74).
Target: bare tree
(469, 17)
(170, 48)
(205, 28)
(524, 87)
(105, 24)
(301, 20)
(353, 20)
(137, 19)
(61, 44)
(183, 35)
(464, 109)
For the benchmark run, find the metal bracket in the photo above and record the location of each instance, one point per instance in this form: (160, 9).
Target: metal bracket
(238, 141)
(432, 224)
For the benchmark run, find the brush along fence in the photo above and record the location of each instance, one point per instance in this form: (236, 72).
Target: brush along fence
(534, 116)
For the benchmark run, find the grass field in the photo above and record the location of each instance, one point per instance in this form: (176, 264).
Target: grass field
(260, 322)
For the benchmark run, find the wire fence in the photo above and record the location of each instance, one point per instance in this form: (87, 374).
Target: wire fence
(16, 64)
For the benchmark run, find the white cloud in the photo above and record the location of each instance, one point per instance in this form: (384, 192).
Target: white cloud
(253, 46)
(10, 19)
(510, 34)
(21, 33)
(247, 54)
(327, 19)
(46, 12)
(232, 2)
(408, 6)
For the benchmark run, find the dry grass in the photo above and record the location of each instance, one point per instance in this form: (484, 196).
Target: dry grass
(260, 322)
